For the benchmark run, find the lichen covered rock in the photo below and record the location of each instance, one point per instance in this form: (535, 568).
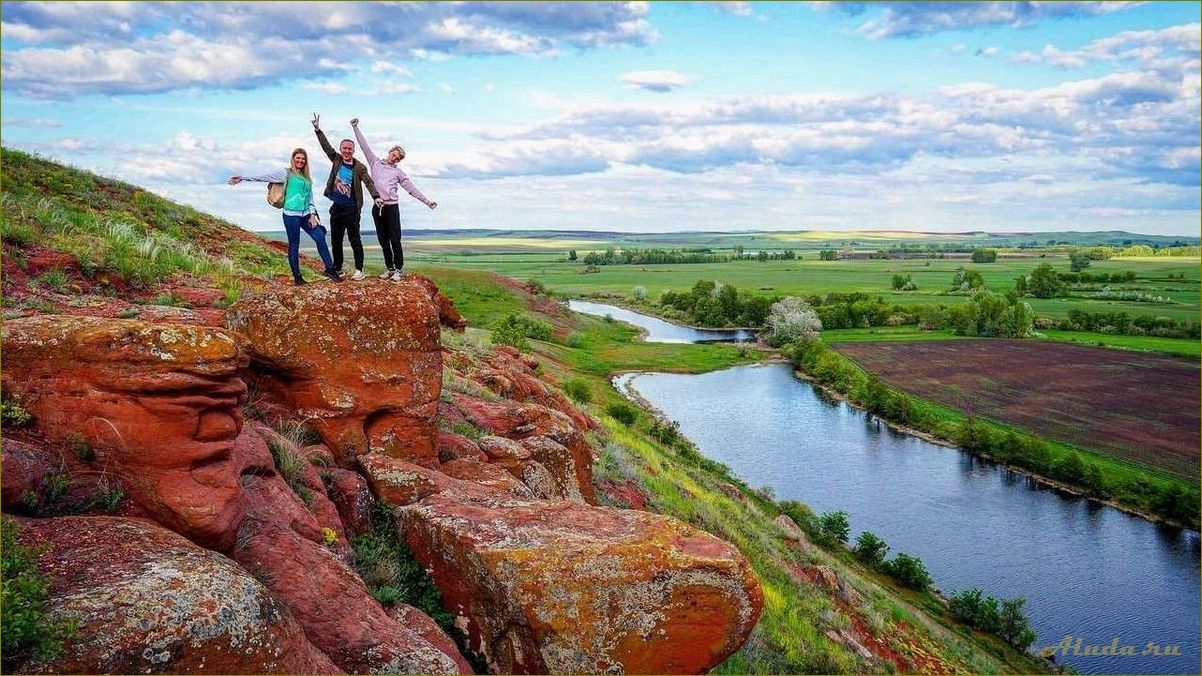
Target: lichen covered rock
(361, 362)
(148, 601)
(156, 403)
(562, 587)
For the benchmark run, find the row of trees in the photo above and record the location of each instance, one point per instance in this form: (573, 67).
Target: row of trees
(831, 530)
(633, 256)
(711, 304)
(1123, 323)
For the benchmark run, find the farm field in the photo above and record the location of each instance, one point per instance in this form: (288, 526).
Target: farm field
(1140, 408)
(1174, 346)
(811, 276)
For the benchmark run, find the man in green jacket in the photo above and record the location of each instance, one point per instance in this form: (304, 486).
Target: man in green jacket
(344, 188)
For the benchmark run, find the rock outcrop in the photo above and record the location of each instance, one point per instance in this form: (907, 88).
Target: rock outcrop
(149, 601)
(156, 403)
(561, 587)
(360, 362)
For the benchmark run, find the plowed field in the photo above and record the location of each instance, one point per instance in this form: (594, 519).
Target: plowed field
(1138, 407)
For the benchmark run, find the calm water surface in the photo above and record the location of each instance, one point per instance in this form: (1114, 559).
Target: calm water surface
(659, 331)
(1091, 572)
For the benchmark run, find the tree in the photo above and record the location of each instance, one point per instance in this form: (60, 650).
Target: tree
(834, 527)
(1013, 626)
(572, 255)
(1044, 282)
(901, 282)
(967, 280)
(1078, 260)
(828, 255)
(871, 549)
(1020, 285)
(792, 319)
(909, 571)
(984, 255)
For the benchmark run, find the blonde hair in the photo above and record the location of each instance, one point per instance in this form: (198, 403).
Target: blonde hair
(303, 173)
(398, 149)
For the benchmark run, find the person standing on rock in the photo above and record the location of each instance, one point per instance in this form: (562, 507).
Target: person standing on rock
(299, 212)
(344, 188)
(387, 216)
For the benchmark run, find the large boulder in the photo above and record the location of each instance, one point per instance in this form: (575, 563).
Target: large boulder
(562, 587)
(148, 601)
(360, 362)
(156, 403)
(283, 544)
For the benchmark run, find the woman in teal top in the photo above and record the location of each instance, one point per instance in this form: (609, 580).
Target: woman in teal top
(299, 212)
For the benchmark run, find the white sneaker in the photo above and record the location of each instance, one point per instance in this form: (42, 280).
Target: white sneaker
(397, 275)
(387, 274)
(358, 276)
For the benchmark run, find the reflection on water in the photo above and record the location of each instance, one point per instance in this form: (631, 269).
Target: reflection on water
(1086, 570)
(658, 330)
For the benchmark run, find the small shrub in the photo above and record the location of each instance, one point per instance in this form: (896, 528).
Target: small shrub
(639, 293)
(622, 412)
(169, 300)
(514, 329)
(55, 279)
(79, 446)
(909, 571)
(12, 414)
(29, 631)
(391, 572)
(329, 535)
(129, 313)
(666, 432)
(290, 467)
(871, 549)
(579, 390)
(833, 527)
(574, 340)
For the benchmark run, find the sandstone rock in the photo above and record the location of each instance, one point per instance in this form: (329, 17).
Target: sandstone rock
(149, 601)
(157, 403)
(352, 497)
(448, 316)
(361, 362)
(524, 421)
(329, 600)
(487, 475)
(25, 468)
(562, 587)
(792, 530)
(453, 446)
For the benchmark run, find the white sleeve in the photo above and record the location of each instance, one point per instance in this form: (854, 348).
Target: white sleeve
(279, 176)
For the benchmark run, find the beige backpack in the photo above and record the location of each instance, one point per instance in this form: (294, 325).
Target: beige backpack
(275, 195)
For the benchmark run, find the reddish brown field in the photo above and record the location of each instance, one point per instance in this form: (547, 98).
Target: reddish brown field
(1130, 405)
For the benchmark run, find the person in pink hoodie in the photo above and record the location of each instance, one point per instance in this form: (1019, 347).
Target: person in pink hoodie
(388, 176)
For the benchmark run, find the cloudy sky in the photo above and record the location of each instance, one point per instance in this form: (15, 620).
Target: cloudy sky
(637, 116)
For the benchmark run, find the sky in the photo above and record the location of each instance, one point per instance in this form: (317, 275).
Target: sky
(638, 117)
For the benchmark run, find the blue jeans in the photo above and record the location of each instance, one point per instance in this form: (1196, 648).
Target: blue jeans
(293, 226)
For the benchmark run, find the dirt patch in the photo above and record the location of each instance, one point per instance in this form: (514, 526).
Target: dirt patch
(1134, 406)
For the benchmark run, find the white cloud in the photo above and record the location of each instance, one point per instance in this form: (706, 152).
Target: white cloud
(1173, 49)
(331, 88)
(64, 49)
(655, 80)
(387, 88)
(446, 88)
(31, 122)
(912, 19)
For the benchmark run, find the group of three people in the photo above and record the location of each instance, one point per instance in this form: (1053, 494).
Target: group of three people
(344, 188)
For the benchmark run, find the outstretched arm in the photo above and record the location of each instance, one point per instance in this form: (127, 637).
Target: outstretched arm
(371, 157)
(321, 138)
(279, 176)
(407, 184)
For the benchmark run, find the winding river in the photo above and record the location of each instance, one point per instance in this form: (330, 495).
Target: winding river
(1087, 571)
(659, 331)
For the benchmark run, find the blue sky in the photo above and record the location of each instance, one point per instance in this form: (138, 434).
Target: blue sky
(639, 116)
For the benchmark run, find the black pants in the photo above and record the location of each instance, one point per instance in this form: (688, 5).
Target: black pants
(388, 231)
(345, 220)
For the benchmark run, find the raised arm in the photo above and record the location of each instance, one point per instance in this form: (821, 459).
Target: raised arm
(371, 157)
(321, 138)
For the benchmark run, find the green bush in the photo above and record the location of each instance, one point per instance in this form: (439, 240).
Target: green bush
(12, 414)
(29, 631)
(871, 549)
(513, 329)
(622, 412)
(578, 389)
(833, 527)
(909, 571)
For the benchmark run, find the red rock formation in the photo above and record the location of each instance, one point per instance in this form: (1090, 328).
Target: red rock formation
(149, 601)
(569, 459)
(282, 542)
(360, 362)
(157, 403)
(352, 497)
(561, 587)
